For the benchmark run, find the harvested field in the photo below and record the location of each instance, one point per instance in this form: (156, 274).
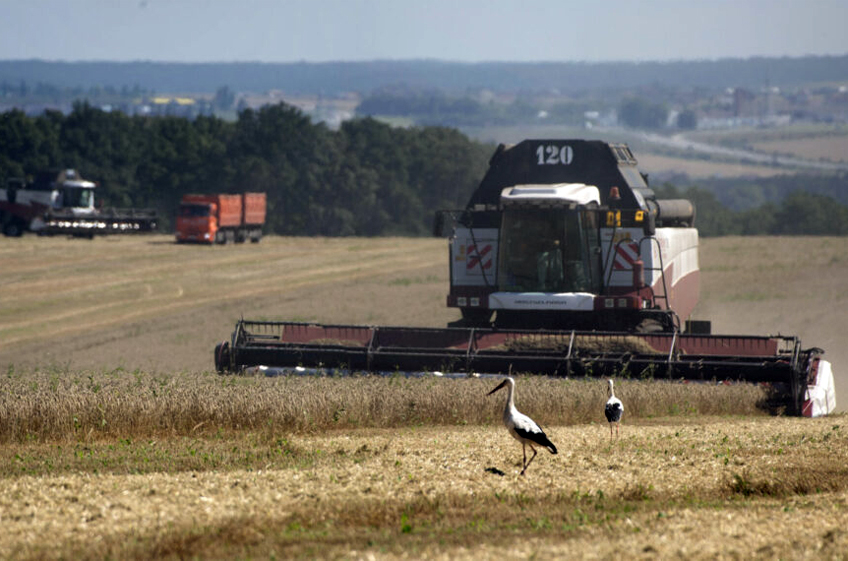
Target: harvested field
(695, 168)
(140, 466)
(833, 149)
(697, 488)
(116, 440)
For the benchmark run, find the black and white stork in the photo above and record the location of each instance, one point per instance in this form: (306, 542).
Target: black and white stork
(613, 410)
(522, 427)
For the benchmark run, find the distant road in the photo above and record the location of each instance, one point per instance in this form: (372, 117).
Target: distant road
(680, 142)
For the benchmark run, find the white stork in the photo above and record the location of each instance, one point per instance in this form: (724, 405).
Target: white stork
(522, 427)
(613, 410)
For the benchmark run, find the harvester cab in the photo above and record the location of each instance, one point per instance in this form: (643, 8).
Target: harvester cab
(538, 249)
(76, 196)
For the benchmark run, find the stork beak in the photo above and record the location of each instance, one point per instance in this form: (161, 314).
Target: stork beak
(502, 384)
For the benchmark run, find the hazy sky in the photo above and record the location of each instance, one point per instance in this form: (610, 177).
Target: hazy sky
(456, 30)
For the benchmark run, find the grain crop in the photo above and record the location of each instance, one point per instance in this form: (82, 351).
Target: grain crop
(56, 406)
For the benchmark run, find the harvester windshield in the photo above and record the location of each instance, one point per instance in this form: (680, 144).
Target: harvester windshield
(549, 250)
(77, 197)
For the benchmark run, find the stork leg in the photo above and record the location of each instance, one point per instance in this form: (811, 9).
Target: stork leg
(527, 465)
(524, 461)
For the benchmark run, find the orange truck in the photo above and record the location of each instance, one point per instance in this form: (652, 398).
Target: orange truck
(221, 218)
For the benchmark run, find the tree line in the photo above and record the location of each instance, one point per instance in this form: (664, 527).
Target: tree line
(799, 213)
(434, 107)
(365, 179)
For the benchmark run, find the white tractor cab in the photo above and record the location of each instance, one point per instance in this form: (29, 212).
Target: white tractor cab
(565, 255)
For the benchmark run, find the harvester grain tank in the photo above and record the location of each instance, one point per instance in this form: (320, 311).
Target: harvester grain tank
(564, 263)
(221, 218)
(63, 203)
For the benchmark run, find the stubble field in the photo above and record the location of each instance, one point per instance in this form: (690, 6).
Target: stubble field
(118, 442)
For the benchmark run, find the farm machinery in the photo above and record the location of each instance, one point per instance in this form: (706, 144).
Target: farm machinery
(63, 203)
(564, 263)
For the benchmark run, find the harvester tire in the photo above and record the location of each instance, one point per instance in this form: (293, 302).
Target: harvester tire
(13, 229)
(222, 357)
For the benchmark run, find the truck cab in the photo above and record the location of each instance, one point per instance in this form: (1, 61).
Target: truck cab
(197, 222)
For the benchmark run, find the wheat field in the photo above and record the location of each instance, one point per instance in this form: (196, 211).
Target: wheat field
(119, 442)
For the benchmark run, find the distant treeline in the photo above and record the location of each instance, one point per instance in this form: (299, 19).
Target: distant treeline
(798, 214)
(434, 107)
(334, 78)
(742, 194)
(365, 179)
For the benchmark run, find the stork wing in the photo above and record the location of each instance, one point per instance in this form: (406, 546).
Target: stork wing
(527, 429)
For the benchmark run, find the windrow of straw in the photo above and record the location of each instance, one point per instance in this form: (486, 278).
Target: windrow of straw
(55, 406)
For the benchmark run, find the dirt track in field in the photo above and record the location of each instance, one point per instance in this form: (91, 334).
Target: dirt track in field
(145, 302)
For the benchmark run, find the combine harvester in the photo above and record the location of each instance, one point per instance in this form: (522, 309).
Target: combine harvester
(563, 263)
(62, 203)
